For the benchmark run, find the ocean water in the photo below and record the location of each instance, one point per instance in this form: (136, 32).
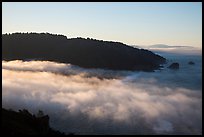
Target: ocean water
(97, 101)
(187, 76)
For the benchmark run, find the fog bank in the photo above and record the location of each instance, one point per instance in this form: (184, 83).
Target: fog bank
(84, 102)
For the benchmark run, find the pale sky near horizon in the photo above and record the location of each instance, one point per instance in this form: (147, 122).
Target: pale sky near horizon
(133, 23)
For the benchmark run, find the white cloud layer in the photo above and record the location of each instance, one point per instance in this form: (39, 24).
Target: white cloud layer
(79, 101)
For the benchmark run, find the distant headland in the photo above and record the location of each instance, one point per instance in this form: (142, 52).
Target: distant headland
(87, 53)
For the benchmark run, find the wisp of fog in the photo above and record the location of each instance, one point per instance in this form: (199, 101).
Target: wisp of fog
(97, 101)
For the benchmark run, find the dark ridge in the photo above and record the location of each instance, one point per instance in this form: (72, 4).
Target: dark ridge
(24, 123)
(87, 53)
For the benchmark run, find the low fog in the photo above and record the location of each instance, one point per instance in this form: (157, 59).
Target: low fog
(96, 101)
(184, 50)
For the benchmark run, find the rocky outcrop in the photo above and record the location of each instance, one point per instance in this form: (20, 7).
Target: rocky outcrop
(174, 66)
(191, 63)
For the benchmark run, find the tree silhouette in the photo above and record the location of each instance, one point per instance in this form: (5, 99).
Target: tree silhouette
(40, 113)
(88, 53)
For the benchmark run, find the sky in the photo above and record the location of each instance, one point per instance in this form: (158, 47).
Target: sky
(133, 23)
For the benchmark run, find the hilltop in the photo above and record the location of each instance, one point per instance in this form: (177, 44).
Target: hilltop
(25, 123)
(87, 53)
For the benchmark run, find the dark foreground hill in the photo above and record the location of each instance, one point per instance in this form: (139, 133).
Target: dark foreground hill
(24, 123)
(88, 53)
